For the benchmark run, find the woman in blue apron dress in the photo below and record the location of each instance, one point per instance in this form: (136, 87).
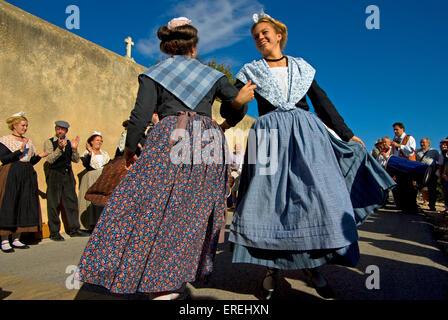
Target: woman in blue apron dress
(160, 228)
(303, 190)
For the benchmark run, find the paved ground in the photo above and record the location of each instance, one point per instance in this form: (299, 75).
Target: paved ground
(411, 267)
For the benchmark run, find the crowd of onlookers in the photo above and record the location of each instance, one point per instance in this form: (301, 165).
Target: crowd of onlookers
(19, 202)
(405, 146)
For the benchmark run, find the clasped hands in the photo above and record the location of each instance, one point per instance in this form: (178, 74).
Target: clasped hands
(245, 95)
(62, 143)
(23, 147)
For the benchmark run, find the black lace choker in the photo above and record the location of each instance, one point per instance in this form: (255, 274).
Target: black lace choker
(18, 136)
(274, 60)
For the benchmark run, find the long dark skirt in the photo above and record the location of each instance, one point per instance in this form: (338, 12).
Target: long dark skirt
(20, 207)
(161, 226)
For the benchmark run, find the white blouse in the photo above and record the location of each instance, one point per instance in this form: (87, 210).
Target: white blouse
(99, 159)
(281, 74)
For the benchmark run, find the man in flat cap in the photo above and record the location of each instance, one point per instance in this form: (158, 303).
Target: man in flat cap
(61, 182)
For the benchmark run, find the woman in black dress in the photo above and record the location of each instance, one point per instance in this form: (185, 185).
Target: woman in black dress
(19, 202)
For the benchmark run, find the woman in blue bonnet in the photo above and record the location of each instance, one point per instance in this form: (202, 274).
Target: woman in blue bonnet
(307, 180)
(160, 228)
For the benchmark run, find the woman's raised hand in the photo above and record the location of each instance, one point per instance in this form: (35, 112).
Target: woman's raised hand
(89, 148)
(75, 143)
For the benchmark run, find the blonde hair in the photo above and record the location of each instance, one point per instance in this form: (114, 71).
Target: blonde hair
(279, 27)
(15, 120)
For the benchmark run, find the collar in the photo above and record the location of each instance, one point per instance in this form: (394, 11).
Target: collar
(185, 77)
(300, 78)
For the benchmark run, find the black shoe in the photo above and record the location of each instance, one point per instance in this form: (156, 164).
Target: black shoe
(79, 233)
(21, 247)
(270, 283)
(324, 291)
(8, 250)
(57, 237)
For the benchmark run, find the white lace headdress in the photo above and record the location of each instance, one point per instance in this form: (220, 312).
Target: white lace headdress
(177, 22)
(258, 16)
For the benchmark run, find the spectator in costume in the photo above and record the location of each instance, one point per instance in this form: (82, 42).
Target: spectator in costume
(61, 183)
(376, 152)
(386, 151)
(93, 159)
(431, 157)
(405, 194)
(19, 201)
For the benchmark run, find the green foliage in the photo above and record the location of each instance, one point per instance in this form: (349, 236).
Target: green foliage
(221, 67)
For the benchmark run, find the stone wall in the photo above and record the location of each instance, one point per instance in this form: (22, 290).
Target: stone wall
(52, 74)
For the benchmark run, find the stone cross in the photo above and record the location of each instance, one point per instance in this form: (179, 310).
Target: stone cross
(129, 45)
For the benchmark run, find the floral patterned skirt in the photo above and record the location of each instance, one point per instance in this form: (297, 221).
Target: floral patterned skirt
(161, 226)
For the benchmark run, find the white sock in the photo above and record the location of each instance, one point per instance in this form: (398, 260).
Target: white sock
(170, 296)
(15, 240)
(6, 245)
(17, 243)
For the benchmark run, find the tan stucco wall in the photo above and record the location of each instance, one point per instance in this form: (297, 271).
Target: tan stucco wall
(52, 74)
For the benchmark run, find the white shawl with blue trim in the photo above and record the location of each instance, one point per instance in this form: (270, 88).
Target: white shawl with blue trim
(300, 73)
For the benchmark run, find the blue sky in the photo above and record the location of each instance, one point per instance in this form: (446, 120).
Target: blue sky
(374, 77)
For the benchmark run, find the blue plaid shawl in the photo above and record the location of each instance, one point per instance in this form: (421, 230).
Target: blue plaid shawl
(300, 73)
(186, 78)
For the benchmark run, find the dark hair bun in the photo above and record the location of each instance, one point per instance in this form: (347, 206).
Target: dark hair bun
(163, 33)
(179, 41)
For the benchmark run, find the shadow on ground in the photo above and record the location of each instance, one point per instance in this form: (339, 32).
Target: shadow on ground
(4, 294)
(400, 278)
